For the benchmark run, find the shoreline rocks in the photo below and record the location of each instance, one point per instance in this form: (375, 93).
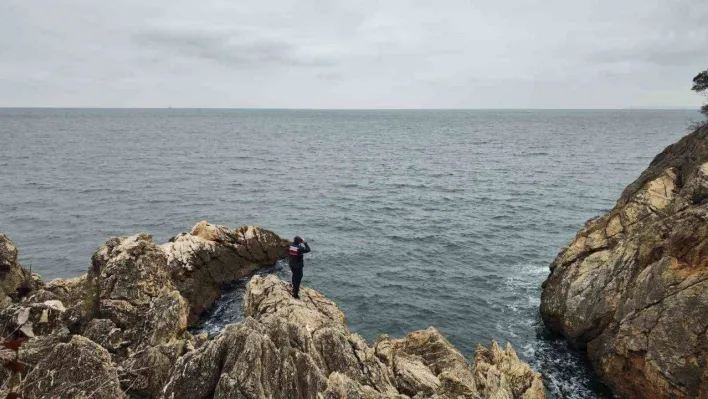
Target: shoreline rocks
(121, 331)
(287, 348)
(130, 303)
(15, 281)
(632, 287)
(211, 256)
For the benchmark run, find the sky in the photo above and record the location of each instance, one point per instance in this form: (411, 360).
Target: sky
(352, 54)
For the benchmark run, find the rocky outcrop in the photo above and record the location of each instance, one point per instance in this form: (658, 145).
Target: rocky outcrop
(135, 310)
(288, 348)
(121, 330)
(203, 261)
(79, 368)
(15, 281)
(632, 287)
(129, 304)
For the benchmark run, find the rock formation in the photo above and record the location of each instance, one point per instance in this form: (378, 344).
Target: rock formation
(632, 287)
(202, 262)
(288, 348)
(15, 281)
(121, 331)
(133, 304)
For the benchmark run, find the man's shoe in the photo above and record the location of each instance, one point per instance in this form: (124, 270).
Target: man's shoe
(296, 296)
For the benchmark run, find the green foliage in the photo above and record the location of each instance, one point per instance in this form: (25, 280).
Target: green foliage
(700, 86)
(700, 82)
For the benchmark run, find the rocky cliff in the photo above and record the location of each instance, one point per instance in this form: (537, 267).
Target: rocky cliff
(632, 287)
(288, 348)
(121, 331)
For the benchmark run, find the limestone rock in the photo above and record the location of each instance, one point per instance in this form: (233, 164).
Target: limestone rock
(632, 287)
(287, 348)
(499, 372)
(129, 285)
(411, 375)
(78, 369)
(121, 331)
(33, 319)
(202, 262)
(15, 281)
(339, 386)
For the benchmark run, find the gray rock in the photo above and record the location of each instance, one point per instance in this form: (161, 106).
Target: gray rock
(78, 369)
(202, 262)
(121, 331)
(632, 287)
(129, 303)
(289, 348)
(15, 281)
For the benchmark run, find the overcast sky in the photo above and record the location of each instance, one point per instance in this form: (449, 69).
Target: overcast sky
(352, 54)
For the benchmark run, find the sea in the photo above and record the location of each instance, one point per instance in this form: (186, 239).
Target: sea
(416, 218)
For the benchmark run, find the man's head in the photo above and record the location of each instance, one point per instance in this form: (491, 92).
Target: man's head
(297, 240)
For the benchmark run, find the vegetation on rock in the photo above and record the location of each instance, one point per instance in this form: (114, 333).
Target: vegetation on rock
(700, 86)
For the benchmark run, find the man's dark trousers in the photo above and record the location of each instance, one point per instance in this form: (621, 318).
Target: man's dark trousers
(297, 277)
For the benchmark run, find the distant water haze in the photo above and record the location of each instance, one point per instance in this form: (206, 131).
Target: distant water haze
(416, 218)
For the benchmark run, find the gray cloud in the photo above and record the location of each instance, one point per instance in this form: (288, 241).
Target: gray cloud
(365, 54)
(231, 48)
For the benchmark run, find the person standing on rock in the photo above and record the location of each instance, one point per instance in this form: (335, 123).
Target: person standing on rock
(297, 263)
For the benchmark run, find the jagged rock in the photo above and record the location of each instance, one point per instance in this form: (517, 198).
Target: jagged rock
(129, 302)
(105, 333)
(339, 386)
(438, 354)
(129, 285)
(287, 348)
(15, 281)
(632, 287)
(499, 373)
(495, 373)
(78, 369)
(33, 319)
(121, 330)
(68, 291)
(411, 375)
(202, 262)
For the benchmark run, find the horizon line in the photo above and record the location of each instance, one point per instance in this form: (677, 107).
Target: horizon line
(665, 108)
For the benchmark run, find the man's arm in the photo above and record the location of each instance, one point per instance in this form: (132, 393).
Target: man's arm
(306, 249)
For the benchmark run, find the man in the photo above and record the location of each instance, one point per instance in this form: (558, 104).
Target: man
(298, 247)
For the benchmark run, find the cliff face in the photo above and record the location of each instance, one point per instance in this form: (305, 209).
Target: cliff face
(632, 287)
(121, 331)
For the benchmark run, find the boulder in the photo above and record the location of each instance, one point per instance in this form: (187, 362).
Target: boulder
(16, 282)
(79, 369)
(130, 295)
(632, 287)
(33, 319)
(209, 258)
(287, 348)
(499, 372)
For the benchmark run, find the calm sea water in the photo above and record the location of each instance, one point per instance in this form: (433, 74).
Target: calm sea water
(416, 218)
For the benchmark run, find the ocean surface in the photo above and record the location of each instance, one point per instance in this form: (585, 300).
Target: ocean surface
(416, 218)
